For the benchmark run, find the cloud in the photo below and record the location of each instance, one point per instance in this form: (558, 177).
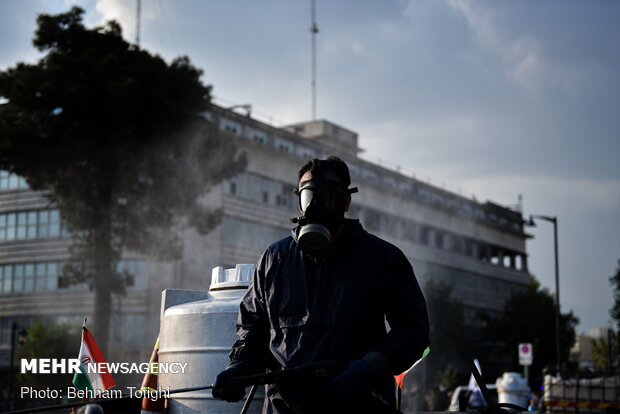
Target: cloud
(345, 44)
(522, 57)
(125, 13)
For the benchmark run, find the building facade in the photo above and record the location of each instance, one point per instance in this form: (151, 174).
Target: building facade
(478, 248)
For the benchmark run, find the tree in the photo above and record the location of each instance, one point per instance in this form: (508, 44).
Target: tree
(119, 138)
(600, 349)
(445, 361)
(601, 353)
(447, 321)
(615, 283)
(529, 316)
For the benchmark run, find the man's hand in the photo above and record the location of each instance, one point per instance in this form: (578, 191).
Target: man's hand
(227, 392)
(353, 382)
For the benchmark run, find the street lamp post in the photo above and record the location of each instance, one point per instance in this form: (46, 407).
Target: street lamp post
(21, 339)
(553, 220)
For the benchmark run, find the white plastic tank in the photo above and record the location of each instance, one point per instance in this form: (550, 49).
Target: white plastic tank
(198, 328)
(512, 388)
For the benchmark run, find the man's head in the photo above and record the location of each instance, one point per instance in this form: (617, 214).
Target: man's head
(324, 197)
(331, 173)
(333, 166)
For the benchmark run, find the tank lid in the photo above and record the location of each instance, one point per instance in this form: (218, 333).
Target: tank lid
(236, 278)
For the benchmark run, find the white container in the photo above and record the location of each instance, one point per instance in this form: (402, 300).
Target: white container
(512, 388)
(198, 328)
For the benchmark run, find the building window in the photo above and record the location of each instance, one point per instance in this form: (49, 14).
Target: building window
(405, 187)
(424, 194)
(230, 126)
(10, 181)
(389, 182)
(31, 225)
(135, 273)
(3, 226)
(265, 197)
(371, 176)
(54, 223)
(438, 199)
(52, 276)
(284, 145)
(6, 278)
(467, 210)
(31, 229)
(439, 240)
(18, 278)
(281, 200)
(29, 277)
(21, 225)
(233, 187)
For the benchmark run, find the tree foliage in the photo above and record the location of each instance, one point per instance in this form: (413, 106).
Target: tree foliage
(615, 284)
(529, 316)
(448, 333)
(49, 341)
(601, 351)
(119, 138)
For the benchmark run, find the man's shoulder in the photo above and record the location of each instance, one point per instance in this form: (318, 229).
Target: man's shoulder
(378, 242)
(283, 245)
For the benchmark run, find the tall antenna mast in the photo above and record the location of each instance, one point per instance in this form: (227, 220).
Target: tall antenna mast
(138, 22)
(314, 30)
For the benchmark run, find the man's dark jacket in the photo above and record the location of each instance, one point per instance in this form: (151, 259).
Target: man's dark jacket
(298, 310)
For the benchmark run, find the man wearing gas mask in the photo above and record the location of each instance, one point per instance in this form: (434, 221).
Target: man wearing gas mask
(324, 294)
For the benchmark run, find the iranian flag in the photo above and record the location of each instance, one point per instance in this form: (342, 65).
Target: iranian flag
(91, 354)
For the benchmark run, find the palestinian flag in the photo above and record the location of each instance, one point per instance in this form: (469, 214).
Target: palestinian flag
(91, 354)
(401, 377)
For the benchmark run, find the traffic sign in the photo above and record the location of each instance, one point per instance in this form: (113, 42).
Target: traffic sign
(525, 354)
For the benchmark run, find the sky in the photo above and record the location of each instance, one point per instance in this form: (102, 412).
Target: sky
(493, 99)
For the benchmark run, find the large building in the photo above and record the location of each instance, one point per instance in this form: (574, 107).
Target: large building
(479, 248)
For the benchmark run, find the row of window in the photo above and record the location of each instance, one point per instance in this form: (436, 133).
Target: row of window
(34, 224)
(262, 190)
(47, 276)
(406, 229)
(10, 181)
(29, 277)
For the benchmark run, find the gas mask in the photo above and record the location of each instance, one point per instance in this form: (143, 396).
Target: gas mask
(322, 204)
